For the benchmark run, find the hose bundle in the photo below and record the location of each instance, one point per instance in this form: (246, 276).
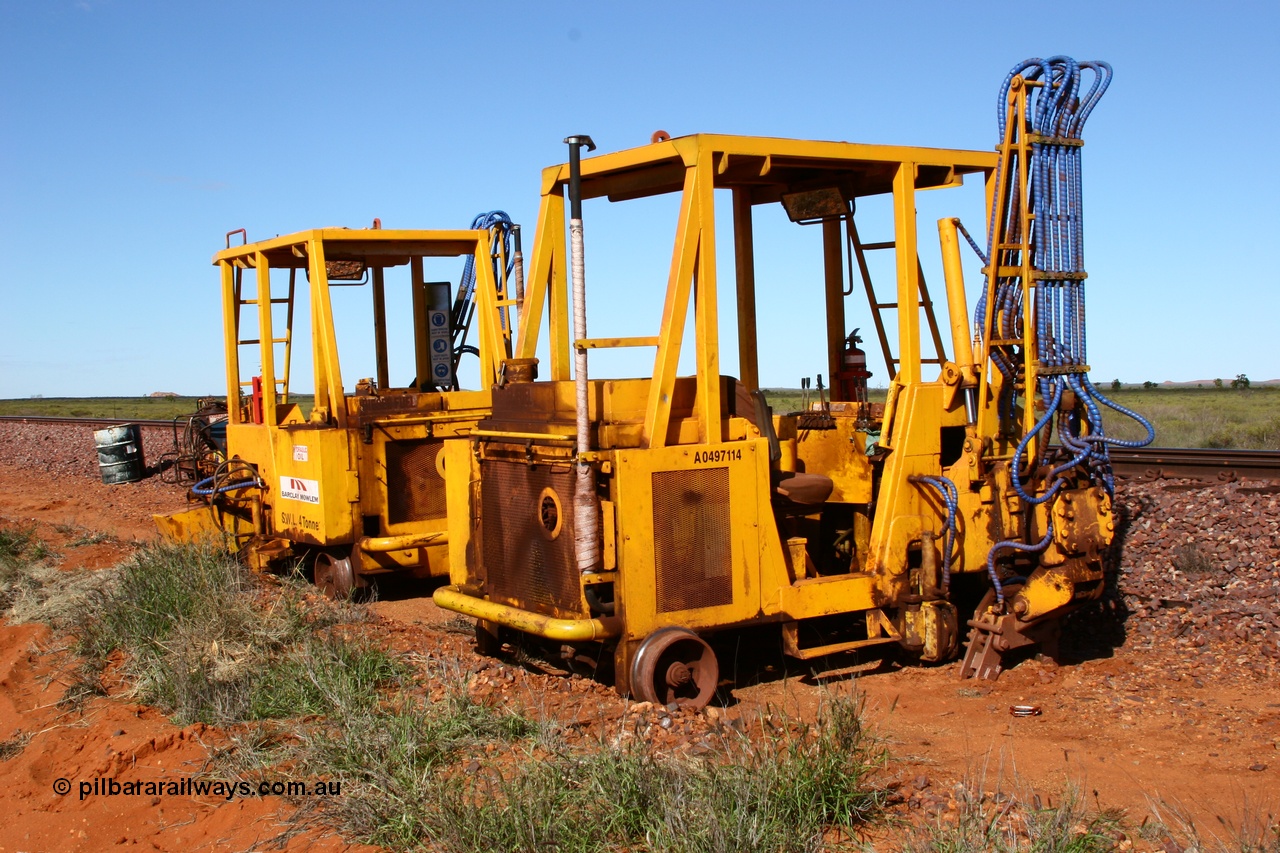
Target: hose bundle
(1056, 112)
(1057, 107)
(499, 226)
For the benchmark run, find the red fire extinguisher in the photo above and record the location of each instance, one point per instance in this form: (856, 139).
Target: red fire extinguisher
(255, 401)
(853, 374)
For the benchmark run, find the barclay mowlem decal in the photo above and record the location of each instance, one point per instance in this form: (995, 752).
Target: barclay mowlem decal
(298, 489)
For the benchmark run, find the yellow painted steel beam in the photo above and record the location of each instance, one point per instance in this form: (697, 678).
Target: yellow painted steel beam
(833, 279)
(493, 345)
(230, 338)
(266, 348)
(565, 630)
(521, 436)
(421, 345)
(631, 170)
(403, 542)
(616, 343)
(380, 327)
(745, 274)
(547, 290)
(706, 317)
(957, 305)
(328, 369)
(375, 242)
(674, 310)
(537, 281)
(906, 257)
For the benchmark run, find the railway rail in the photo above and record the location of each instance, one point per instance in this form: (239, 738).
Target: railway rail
(39, 419)
(1147, 462)
(1196, 463)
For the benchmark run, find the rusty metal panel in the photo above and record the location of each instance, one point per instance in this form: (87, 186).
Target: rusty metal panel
(692, 539)
(526, 531)
(415, 489)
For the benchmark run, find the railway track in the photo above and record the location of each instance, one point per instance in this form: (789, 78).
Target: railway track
(1196, 463)
(106, 422)
(1148, 462)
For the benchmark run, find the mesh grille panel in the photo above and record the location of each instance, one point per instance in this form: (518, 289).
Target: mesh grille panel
(415, 489)
(523, 565)
(691, 539)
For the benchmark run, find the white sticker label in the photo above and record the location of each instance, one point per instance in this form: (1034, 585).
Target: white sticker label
(299, 453)
(298, 489)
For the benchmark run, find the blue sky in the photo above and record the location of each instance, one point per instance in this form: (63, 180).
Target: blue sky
(134, 135)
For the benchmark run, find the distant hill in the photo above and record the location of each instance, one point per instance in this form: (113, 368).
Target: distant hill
(1207, 383)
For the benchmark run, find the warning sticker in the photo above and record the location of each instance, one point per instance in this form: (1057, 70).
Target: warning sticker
(298, 489)
(299, 453)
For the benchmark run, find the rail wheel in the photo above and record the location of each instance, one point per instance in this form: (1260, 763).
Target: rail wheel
(675, 665)
(335, 576)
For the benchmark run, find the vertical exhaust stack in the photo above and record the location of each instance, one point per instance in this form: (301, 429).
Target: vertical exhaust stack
(586, 517)
(518, 271)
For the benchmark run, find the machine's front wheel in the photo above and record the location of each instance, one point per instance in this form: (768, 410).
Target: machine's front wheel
(335, 576)
(675, 665)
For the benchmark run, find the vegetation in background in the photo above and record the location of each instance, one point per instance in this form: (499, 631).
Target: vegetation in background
(1242, 416)
(141, 408)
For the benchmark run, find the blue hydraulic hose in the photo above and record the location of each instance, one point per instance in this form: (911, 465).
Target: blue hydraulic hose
(1016, 546)
(203, 487)
(1057, 108)
(951, 498)
(499, 225)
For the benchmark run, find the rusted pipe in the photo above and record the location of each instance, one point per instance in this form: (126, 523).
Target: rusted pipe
(403, 542)
(565, 630)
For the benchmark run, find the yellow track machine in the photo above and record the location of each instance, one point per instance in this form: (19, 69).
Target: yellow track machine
(353, 480)
(627, 519)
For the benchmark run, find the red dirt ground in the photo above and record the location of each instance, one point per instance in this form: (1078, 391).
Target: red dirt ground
(1198, 727)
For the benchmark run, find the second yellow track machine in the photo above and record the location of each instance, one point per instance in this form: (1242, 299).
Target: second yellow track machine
(353, 479)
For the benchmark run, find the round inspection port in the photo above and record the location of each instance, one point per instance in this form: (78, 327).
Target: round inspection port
(550, 513)
(1025, 710)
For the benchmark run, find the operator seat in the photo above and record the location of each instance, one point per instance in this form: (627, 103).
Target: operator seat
(791, 489)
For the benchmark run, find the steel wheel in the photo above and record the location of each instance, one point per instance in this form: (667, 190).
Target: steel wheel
(675, 665)
(335, 577)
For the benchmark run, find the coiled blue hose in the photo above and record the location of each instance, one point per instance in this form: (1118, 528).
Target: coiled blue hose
(951, 498)
(205, 488)
(499, 226)
(1016, 546)
(1057, 112)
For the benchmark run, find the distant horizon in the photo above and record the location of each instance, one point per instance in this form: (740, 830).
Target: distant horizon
(1104, 386)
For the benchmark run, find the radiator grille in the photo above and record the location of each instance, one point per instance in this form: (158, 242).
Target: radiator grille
(415, 489)
(691, 539)
(523, 564)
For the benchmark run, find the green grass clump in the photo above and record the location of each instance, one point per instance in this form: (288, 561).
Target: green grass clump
(1008, 824)
(789, 792)
(201, 645)
(22, 554)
